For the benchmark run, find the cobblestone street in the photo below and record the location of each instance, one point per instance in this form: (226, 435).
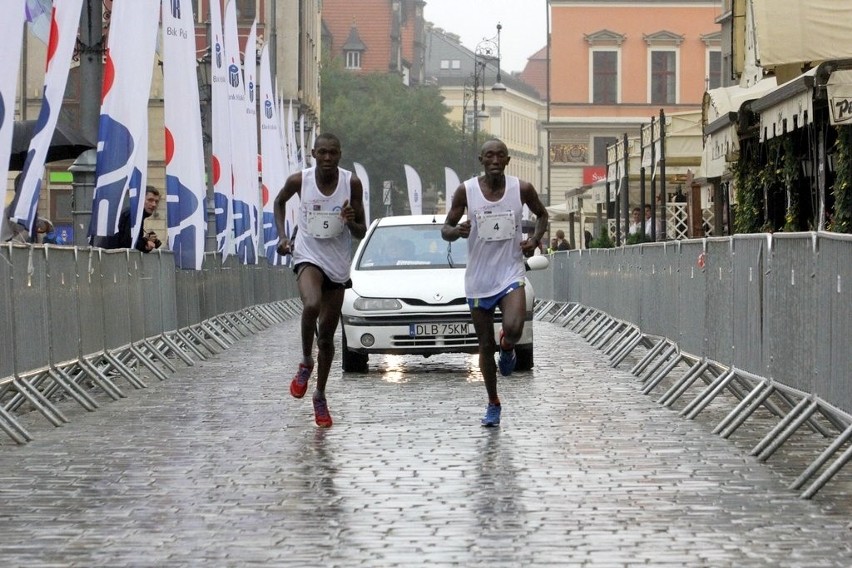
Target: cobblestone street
(219, 466)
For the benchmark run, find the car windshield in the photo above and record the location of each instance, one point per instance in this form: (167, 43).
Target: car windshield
(397, 247)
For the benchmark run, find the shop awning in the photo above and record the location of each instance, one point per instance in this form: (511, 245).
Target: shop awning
(788, 107)
(719, 115)
(792, 31)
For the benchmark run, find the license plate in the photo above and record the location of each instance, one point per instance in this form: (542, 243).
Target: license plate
(438, 329)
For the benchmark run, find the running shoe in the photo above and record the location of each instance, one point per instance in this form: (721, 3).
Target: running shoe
(299, 385)
(321, 414)
(507, 359)
(492, 415)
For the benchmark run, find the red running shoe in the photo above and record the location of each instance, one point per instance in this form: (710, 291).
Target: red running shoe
(299, 385)
(321, 414)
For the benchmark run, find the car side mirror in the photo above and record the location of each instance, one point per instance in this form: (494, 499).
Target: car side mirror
(539, 262)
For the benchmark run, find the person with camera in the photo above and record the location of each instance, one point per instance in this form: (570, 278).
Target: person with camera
(145, 241)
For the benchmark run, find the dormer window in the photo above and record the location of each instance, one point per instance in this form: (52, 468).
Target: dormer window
(353, 49)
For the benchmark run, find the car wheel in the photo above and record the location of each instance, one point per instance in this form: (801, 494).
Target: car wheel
(353, 362)
(524, 354)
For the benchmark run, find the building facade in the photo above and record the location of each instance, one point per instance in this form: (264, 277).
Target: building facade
(376, 36)
(616, 64)
(512, 111)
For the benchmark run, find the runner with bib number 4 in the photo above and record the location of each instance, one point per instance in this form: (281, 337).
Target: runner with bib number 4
(496, 249)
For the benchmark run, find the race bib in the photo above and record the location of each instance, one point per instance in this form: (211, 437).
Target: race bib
(324, 224)
(496, 226)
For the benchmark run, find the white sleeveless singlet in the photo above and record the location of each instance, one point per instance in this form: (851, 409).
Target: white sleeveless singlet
(323, 239)
(495, 259)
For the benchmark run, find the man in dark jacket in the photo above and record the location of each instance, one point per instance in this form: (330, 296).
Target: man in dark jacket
(123, 239)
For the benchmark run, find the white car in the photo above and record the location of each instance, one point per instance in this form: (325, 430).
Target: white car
(407, 295)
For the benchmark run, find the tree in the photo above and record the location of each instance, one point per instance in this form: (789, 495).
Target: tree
(382, 124)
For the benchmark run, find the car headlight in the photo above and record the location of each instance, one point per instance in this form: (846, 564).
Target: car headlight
(375, 304)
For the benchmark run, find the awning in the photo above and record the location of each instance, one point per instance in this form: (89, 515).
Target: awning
(719, 115)
(792, 31)
(788, 107)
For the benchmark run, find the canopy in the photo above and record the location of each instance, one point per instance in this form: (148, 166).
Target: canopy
(809, 30)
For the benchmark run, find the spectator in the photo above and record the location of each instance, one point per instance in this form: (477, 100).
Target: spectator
(635, 221)
(554, 245)
(123, 239)
(561, 243)
(650, 224)
(587, 237)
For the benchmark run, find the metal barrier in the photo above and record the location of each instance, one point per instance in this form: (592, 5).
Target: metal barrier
(765, 318)
(75, 320)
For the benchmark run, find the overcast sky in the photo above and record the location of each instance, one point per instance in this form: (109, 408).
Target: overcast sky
(524, 25)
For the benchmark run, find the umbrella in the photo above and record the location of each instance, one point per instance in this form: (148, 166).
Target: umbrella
(67, 143)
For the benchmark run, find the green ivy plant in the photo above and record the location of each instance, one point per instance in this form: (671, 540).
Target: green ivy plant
(748, 177)
(790, 179)
(842, 220)
(603, 241)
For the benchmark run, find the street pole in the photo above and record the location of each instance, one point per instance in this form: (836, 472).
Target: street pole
(91, 78)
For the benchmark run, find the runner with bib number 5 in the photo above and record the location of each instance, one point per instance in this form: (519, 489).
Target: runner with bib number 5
(494, 276)
(330, 214)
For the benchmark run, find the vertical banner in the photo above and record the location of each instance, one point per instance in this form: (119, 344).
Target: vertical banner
(273, 172)
(66, 17)
(185, 186)
(252, 196)
(305, 151)
(451, 184)
(365, 181)
(241, 162)
(122, 163)
(292, 147)
(11, 40)
(223, 187)
(415, 191)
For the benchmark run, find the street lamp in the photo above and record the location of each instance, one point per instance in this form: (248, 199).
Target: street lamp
(486, 51)
(205, 95)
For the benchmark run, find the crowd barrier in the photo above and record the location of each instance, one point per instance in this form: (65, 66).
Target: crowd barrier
(766, 318)
(72, 319)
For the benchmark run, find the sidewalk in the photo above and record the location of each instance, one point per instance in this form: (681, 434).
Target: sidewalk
(218, 466)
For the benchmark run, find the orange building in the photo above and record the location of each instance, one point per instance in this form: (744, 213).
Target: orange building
(376, 36)
(616, 64)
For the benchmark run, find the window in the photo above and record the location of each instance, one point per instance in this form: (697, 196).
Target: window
(663, 77)
(456, 64)
(604, 77)
(353, 59)
(246, 9)
(714, 69)
(601, 142)
(445, 64)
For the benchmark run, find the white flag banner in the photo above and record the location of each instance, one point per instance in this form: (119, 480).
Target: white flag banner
(223, 187)
(305, 151)
(291, 215)
(66, 17)
(242, 163)
(415, 191)
(273, 171)
(122, 162)
(292, 147)
(185, 186)
(451, 184)
(252, 195)
(11, 28)
(365, 182)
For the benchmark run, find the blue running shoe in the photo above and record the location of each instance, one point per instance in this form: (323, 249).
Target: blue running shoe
(506, 361)
(492, 415)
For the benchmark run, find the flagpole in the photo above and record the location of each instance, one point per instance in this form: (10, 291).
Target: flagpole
(91, 51)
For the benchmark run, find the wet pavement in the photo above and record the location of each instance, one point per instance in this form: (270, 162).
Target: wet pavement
(218, 466)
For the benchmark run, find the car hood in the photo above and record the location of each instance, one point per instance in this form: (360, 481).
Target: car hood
(438, 286)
